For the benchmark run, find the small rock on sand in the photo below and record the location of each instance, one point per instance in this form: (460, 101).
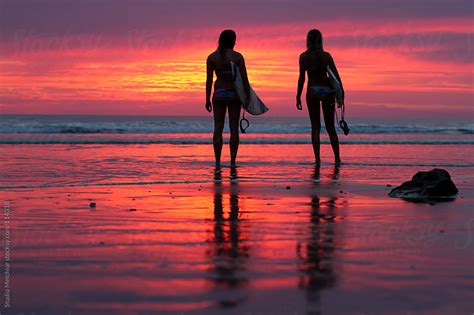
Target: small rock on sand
(92, 205)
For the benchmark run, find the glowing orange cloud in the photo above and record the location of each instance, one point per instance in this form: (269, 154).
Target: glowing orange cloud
(372, 58)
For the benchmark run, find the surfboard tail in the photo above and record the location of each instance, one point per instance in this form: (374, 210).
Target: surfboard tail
(255, 105)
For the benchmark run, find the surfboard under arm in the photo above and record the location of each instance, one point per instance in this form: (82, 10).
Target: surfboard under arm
(238, 83)
(336, 85)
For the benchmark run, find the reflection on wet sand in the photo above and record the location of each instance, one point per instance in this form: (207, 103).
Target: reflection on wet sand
(229, 248)
(316, 254)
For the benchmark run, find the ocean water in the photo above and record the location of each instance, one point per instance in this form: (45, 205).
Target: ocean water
(196, 130)
(55, 151)
(276, 235)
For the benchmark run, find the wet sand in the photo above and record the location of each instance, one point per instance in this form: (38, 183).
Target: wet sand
(323, 241)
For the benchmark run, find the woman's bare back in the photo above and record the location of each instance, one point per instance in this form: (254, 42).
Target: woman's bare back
(221, 66)
(317, 70)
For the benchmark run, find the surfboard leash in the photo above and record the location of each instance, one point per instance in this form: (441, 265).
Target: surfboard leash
(342, 123)
(244, 123)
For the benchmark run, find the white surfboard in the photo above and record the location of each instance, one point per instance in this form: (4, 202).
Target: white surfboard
(336, 86)
(255, 106)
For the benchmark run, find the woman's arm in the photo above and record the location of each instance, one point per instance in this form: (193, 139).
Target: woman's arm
(301, 80)
(209, 79)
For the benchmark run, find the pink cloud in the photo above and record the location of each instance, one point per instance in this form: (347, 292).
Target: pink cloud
(153, 71)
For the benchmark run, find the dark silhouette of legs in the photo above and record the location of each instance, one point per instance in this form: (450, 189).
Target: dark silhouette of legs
(328, 111)
(234, 115)
(220, 108)
(219, 119)
(314, 115)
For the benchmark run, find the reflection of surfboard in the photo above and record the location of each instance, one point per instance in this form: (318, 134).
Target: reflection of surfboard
(336, 86)
(255, 106)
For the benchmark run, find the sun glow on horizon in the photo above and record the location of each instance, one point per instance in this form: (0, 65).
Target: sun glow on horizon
(372, 59)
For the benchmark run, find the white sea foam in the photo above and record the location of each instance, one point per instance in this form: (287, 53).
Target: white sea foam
(354, 140)
(168, 125)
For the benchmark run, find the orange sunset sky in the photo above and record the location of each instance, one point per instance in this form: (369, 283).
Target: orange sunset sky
(142, 57)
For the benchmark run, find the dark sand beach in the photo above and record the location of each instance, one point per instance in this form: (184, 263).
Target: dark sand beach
(168, 234)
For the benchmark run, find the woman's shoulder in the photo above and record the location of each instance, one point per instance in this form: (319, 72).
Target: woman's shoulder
(304, 60)
(212, 55)
(236, 55)
(304, 54)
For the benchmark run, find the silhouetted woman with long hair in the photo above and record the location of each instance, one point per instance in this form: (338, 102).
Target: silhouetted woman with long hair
(314, 61)
(225, 97)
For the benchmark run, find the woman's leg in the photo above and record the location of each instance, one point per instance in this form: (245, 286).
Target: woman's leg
(219, 119)
(328, 111)
(234, 115)
(314, 115)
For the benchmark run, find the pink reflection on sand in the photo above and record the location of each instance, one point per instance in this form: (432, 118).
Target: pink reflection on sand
(276, 236)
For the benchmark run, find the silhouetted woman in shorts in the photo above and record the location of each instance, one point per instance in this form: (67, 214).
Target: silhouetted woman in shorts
(314, 61)
(225, 97)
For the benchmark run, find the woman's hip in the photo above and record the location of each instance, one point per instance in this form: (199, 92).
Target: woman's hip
(225, 97)
(320, 94)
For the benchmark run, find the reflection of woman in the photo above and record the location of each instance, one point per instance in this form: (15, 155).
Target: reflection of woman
(316, 255)
(314, 61)
(225, 97)
(228, 250)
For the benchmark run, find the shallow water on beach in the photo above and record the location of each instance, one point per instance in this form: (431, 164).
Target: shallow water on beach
(56, 165)
(273, 236)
